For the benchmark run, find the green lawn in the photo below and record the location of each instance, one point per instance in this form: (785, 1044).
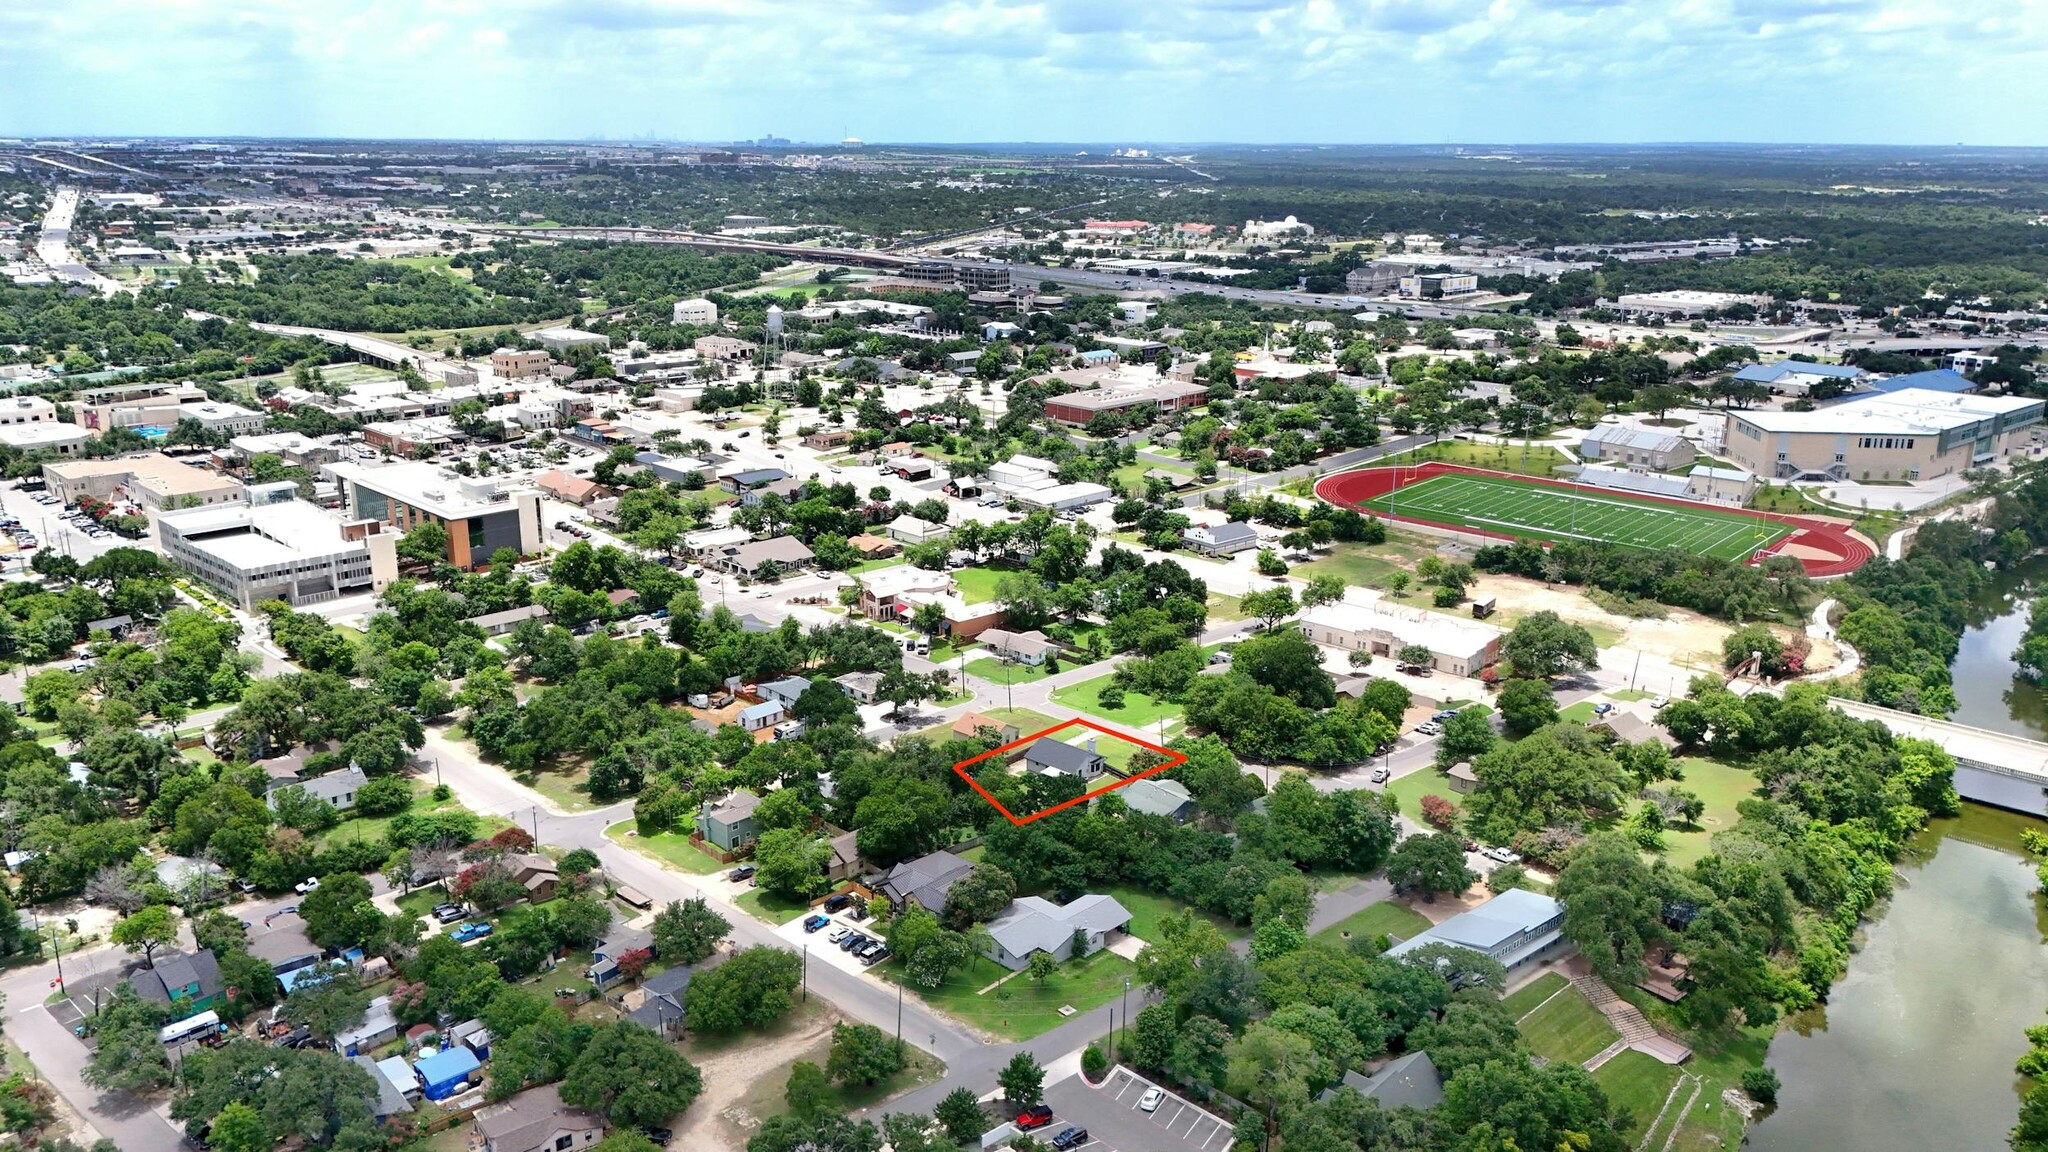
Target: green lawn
(1385, 918)
(996, 670)
(1223, 609)
(1722, 787)
(567, 790)
(769, 908)
(1148, 909)
(1025, 719)
(978, 585)
(1410, 790)
(1525, 999)
(1542, 459)
(765, 1096)
(1568, 1029)
(1021, 1008)
(374, 827)
(1138, 711)
(1361, 565)
(867, 566)
(1639, 1083)
(1580, 713)
(673, 848)
(1504, 504)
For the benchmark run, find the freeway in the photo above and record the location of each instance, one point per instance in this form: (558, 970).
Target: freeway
(54, 249)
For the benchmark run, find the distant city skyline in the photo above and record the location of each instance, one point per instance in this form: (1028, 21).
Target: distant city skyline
(1971, 72)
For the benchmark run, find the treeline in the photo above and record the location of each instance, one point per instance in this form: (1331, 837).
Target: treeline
(321, 291)
(1724, 588)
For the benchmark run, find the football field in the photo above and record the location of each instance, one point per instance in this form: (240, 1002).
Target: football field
(1513, 507)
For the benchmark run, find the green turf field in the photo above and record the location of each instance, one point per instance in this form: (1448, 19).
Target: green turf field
(1506, 505)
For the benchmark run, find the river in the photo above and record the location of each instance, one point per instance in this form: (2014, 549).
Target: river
(1915, 1047)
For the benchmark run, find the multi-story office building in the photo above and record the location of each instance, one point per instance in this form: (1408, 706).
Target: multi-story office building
(1912, 434)
(480, 516)
(289, 551)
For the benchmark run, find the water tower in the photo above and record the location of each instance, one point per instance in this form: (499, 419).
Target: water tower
(775, 321)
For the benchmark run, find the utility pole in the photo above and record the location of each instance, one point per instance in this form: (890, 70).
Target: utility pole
(807, 977)
(899, 1019)
(1125, 999)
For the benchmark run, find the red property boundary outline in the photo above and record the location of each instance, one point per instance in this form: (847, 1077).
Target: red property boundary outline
(1352, 489)
(1173, 760)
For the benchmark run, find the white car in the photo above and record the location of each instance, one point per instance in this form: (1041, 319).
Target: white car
(837, 934)
(1151, 1100)
(307, 885)
(1659, 701)
(1429, 728)
(1501, 855)
(763, 594)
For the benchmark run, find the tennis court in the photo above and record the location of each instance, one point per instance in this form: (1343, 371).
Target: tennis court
(1509, 507)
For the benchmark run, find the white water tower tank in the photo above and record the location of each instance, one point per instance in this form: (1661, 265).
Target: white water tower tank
(775, 320)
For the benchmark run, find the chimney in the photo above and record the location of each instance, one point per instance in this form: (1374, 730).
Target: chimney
(1091, 744)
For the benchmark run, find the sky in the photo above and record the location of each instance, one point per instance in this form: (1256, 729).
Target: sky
(1105, 71)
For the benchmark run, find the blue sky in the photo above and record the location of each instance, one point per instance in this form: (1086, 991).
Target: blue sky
(1861, 71)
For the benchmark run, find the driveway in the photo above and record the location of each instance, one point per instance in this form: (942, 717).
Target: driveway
(1114, 1123)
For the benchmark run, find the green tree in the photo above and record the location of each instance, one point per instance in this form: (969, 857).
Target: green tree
(1022, 1081)
(1542, 645)
(1269, 606)
(1611, 904)
(127, 1056)
(631, 1075)
(147, 930)
(961, 1113)
(1526, 705)
(792, 863)
(1430, 864)
(339, 914)
(753, 989)
(240, 1128)
(1467, 736)
(688, 931)
(862, 1054)
(809, 1090)
(329, 1006)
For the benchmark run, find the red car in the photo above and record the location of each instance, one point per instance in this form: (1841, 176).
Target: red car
(1036, 1116)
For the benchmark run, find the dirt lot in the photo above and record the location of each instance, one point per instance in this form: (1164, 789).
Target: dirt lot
(716, 1122)
(1682, 637)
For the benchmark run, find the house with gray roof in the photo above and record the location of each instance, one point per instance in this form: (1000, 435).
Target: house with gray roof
(1156, 797)
(500, 623)
(927, 880)
(1409, 1081)
(390, 1098)
(1050, 757)
(860, 686)
(781, 553)
(786, 689)
(1023, 647)
(378, 1026)
(1033, 924)
(1628, 444)
(661, 1007)
(1513, 928)
(1220, 539)
(729, 824)
(766, 714)
(337, 788)
(537, 1120)
(188, 982)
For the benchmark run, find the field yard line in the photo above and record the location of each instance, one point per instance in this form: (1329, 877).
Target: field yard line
(1678, 1125)
(1676, 1085)
(1547, 999)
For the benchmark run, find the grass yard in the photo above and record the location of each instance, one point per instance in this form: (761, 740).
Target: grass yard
(1022, 1008)
(769, 908)
(568, 790)
(1639, 1083)
(978, 585)
(765, 1094)
(1503, 504)
(997, 670)
(1524, 1000)
(867, 566)
(672, 848)
(1580, 713)
(1410, 789)
(1385, 918)
(1138, 711)
(1543, 460)
(1361, 565)
(1148, 909)
(1721, 787)
(1568, 1029)
(374, 827)
(1025, 719)
(1223, 609)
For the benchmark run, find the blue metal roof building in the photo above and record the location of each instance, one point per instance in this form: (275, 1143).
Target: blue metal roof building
(1939, 380)
(446, 1072)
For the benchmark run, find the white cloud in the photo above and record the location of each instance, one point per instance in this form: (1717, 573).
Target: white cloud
(1035, 69)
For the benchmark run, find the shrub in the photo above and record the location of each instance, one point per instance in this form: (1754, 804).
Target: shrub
(1439, 812)
(1093, 1063)
(384, 796)
(1761, 1085)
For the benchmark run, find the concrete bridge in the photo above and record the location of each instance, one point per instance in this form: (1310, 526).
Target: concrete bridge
(1992, 768)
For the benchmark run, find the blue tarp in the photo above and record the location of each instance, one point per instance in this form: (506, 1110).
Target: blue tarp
(446, 1072)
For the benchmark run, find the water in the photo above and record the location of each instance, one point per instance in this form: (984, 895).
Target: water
(1914, 1050)
(1988, 694)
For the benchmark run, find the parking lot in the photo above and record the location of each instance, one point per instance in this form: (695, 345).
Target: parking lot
(1115, 1123)
(820, 944)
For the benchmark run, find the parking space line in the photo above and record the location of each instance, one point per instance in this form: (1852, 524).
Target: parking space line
(1213, 1135)
(1126, 1088)
(1190, 1133)
(1170, 1121)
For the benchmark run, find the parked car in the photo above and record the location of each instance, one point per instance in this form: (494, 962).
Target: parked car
(835, 903)
(1501, 855)
(1429, 728)
(474, 930)
(659, 1137)
(1151, 1100)
(838, 934)
(743, 872)
(813, 923)
(1659, 701)
(1070, 1138)
(309, 884)
(1379, 775)
(1444, 715)
(450, 913)
(1036, 1116)
(855, 941)
(875, 955)
(1602, 708)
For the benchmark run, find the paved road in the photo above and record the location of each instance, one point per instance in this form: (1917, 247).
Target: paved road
(54, 249)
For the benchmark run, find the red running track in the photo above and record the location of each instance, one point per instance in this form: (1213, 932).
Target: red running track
(1839, 551)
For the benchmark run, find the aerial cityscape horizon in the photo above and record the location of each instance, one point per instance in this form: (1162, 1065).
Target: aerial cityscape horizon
(949, 575)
